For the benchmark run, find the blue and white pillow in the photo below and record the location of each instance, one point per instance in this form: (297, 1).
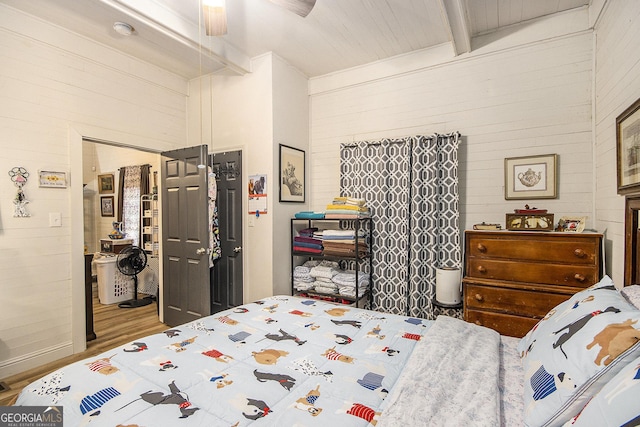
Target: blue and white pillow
(617, 404)
(574, 350)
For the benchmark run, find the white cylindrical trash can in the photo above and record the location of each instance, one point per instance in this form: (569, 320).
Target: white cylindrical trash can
(113, 286)
(448, 286)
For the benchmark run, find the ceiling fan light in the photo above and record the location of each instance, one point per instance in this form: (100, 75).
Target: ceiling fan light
(214, 3)
(299, 7)
(215, 17)
(123, 28)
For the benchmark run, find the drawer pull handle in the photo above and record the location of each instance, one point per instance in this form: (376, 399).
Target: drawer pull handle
(579, 277)
(479, 323)
(479, 297)
(580, 253)
(482, 248)
(481, 269)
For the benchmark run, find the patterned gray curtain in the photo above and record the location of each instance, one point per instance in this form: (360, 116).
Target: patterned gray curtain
(411, 187)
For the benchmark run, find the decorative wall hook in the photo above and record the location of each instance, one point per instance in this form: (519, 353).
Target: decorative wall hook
(19, 176)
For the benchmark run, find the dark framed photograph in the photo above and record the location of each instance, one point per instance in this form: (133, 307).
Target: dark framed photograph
(105, 183)
(292, 174)
(530, 177)
(106, 206)
(628, 149)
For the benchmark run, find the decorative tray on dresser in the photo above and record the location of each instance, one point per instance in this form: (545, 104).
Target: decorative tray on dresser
(512, 279)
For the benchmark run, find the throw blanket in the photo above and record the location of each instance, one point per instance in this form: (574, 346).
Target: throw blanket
(450, 380)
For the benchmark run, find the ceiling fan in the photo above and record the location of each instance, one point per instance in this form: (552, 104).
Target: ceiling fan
(215, 16)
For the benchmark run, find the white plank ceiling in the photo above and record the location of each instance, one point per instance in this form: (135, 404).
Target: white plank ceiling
(336, 35)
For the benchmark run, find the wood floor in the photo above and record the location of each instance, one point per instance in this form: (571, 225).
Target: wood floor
(113, 326)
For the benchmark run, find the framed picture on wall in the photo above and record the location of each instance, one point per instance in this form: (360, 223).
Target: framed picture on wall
(628, 149)
(105, 183)
(531, 177)
(106, 206)
(52, 179)
(292, 173)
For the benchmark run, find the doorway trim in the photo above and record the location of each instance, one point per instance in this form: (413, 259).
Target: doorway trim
(77, 133)
(631, 248)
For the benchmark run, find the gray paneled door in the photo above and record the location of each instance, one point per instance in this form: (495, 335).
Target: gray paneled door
(186, 292)
(227, 270)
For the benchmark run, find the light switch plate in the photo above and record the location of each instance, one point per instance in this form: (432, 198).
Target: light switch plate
(55, 219)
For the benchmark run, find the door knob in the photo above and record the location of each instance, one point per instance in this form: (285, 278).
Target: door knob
(237, 249)
(201, 251)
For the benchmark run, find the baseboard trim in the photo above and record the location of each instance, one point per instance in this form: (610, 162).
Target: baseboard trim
(28, 361)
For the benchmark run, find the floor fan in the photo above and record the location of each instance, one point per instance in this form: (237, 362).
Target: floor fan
(131, 261)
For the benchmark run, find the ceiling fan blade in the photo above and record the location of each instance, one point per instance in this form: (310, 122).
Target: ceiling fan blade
(299, 7)
(215, 17)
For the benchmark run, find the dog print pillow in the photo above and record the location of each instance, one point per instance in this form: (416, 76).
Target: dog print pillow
(574, 350)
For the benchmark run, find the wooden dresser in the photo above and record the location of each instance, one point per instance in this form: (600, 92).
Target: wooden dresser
(512, 279)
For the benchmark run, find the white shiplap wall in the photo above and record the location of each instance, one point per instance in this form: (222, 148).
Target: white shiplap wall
(526, 100)
(617, 86)
(55, 83)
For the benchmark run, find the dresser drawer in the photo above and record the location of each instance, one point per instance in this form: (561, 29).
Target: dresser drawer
(520, 302)
(504, 324)
(578, 276)
(569, 250)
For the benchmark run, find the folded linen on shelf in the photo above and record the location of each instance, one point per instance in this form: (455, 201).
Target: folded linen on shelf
(348, 278)
(307, 232)
(352, 208)
(332, 233)
(355, 201)
(346, 215)
(323, 271)
(303, 286)
(298, 248)
(301, 273)
(340, 200)
(346, 251)
(309, 215)
(343, 243)
(309, 245)
(325, 289)
(307, 240)
(349, 291)
(311, 263)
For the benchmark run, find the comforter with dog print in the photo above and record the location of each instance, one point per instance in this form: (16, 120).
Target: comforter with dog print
(281, 361)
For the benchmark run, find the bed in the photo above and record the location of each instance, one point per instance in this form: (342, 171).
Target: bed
(290, 361)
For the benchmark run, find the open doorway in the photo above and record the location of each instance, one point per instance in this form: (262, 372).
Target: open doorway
(102, 163)
(632, 241)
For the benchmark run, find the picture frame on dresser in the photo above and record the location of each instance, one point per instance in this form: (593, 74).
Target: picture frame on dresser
(530, 177)
(292, 174)
(628, 149)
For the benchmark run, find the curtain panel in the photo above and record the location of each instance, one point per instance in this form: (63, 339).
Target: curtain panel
(411, 187)
(133, 183)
